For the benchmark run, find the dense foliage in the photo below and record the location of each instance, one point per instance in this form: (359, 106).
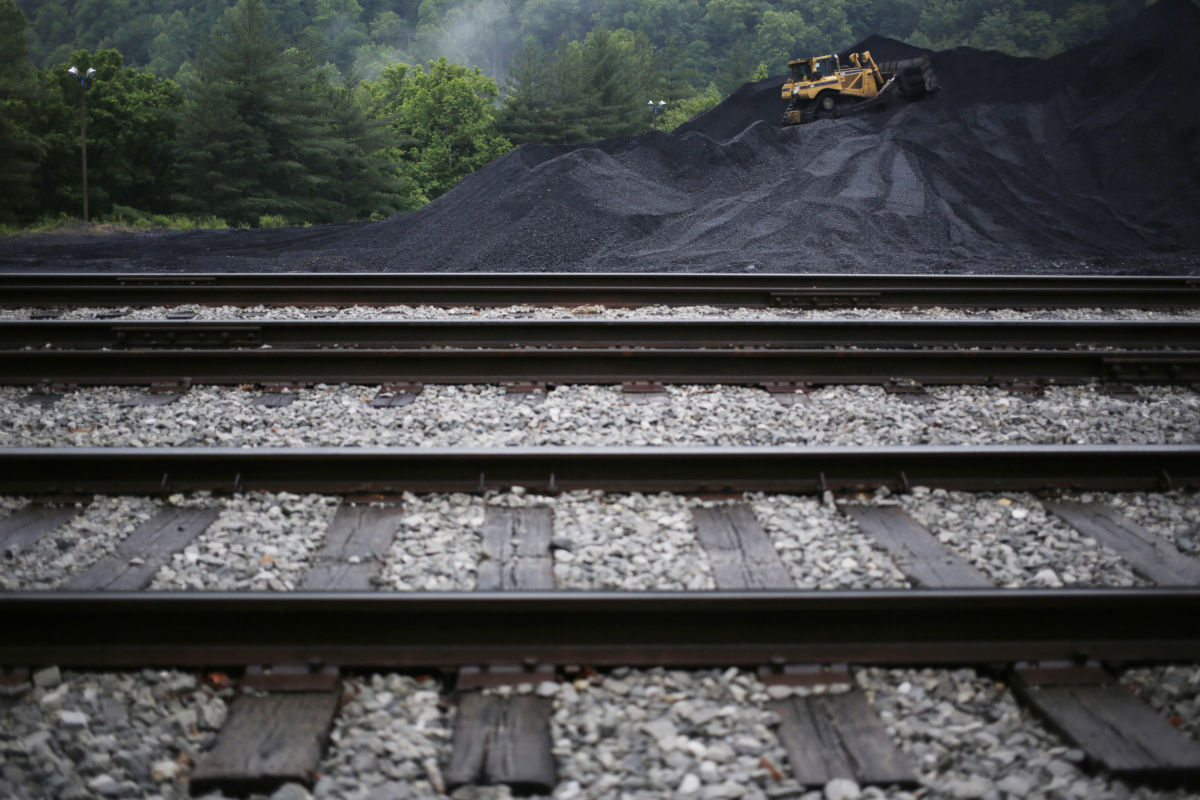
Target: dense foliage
(711, 39)
(312, 110)
(261, 135)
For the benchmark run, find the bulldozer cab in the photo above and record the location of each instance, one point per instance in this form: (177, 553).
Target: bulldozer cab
(813, 69)
(825, 66)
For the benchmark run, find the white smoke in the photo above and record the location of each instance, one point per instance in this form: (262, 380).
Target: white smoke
(483, 34)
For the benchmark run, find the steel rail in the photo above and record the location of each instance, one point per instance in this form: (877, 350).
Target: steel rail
(78, 471)
(763, 366)
(398, 630)
(724, 334)
(69, 289)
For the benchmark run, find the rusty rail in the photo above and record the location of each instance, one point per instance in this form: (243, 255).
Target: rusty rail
(79, 470)
(59, 290)
(432, 630)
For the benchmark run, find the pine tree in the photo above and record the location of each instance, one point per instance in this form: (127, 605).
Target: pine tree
(538, 106)
(583, 90)
(618, 78)
(20, 149)
(260, 136)
(371, 183)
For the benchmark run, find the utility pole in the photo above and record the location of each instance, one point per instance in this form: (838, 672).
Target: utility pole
(83, 129)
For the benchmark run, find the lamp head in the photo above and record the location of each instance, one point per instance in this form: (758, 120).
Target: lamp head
(91, 71)
(73, 71)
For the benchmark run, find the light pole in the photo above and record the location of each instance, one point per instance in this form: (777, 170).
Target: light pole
(654, 109)
(83, 76)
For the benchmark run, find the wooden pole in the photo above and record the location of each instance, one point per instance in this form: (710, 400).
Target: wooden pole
(83, 147)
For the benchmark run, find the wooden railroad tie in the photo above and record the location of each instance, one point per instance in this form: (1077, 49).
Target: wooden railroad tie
(516, 549)
(829, 736)
(356, 543)
(140, 555)
(1148, 553)
(503, 740)
(1114, 729)
(271, 739)
(916, 552)
(740, 552)
(25, 527)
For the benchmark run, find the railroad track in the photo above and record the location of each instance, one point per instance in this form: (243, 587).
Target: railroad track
(62, 290)
(780, 354)
(1051, 645)
(1059, 649)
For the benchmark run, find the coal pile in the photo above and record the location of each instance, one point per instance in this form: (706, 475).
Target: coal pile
(1092, 156)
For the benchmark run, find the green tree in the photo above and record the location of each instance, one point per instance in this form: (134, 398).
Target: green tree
(446, 124)
(131, 127)
(785, 35)
(618, 77)
(681, 112)
(338, 28)
(537, 106)
(259, 135)
(1016, 31)
(475, 32)
(368, 181)
(731, 20)
(171, 45)
(20, 148)
(549, 20)
(829, 17)
(714, 40)
(583, 90)
(895, 18)
(943, 21)
(382, 101)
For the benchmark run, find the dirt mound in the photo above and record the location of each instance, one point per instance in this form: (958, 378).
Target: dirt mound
(1093, 154)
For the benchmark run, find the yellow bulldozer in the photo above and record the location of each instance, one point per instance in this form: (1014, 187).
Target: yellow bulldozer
(822, 87)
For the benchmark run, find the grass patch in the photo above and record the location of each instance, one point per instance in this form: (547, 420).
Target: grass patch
(121, 219)
(271, 221)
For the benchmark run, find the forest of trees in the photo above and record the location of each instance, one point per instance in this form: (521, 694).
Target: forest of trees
(297, 111)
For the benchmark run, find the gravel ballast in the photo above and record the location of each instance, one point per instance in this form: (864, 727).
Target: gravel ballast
(260, 541)
(606, 541)
(438, 544)
(582, 312)
(628, 734)
(482, 416)
(1015, 541)
(78, 736)
(94, 532)
(822, 548)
